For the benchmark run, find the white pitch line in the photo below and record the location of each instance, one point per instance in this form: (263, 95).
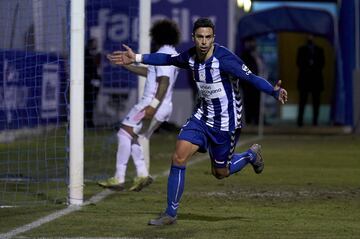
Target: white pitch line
(72, 208)
(96, 198)
(89, 237)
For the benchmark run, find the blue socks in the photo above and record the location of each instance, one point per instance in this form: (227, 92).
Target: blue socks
(176, 179)
(239, 161)
(175, 189)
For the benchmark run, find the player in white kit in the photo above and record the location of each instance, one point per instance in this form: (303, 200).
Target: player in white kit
(146, 116)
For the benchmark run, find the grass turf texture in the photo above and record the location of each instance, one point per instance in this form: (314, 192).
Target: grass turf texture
(310, 188)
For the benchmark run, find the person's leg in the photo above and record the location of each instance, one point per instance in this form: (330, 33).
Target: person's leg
(122, 158)
(190, 140)
(138, 157)
(316, 107)
(184, 150)
(123, 152)
(302, 102)
(126, 134)
(143, 178)
(239, 161)
(176, 182)
(225, 162)
(221, 148)
(88, 110)
(252, 156)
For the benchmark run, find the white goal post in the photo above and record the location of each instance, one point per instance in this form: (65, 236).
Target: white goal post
(144, 46)
(76, 166)
(77, 45)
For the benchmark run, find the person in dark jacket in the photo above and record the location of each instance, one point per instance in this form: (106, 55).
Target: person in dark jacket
(310, 61)
(251, 94)
(92, 80)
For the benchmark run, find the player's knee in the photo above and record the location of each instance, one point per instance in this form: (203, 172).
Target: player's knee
(220, 174)
(178, 160)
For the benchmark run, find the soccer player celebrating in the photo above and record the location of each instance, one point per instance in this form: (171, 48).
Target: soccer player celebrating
(216, 122)
(154, 108)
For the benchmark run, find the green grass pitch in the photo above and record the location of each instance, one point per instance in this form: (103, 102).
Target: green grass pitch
(310, 188)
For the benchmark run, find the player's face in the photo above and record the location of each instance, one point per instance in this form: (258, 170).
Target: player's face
(204, 39)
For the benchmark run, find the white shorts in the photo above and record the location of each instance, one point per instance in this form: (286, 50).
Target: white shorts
(136, 114)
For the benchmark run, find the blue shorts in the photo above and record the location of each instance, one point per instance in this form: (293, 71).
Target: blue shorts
(221, 144)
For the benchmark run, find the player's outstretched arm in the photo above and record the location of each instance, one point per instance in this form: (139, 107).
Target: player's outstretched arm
(122, 57)
(282, 97)
(138, 70)
(157, 59)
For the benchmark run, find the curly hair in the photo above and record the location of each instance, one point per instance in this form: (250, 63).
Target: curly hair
(165, 32)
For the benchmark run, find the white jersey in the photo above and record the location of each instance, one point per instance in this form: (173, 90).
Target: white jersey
(151, 84)
(163, 113)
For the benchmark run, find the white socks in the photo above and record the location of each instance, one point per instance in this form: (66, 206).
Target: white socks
(122, 154)
(138, 157)
(125, 148)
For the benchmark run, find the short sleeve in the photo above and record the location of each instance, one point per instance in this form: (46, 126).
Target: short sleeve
(164, 71)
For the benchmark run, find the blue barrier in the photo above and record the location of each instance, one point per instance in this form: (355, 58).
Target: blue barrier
(32, 89)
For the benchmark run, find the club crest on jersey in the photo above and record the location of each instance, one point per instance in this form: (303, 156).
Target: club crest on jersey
(202, 76)
(246, 69)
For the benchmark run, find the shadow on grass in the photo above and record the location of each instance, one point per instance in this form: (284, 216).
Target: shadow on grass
(201, 217)
(208, 218)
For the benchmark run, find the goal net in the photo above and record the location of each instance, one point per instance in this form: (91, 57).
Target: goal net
(33, 89)
(35, 94)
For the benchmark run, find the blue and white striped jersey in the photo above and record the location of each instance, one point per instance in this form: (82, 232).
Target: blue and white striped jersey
(220, 103)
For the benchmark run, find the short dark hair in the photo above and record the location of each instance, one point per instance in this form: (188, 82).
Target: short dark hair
(203, 22)
(165, 32)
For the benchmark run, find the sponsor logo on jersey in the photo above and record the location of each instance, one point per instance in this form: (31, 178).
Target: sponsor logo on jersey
(211, 90)
(202, 76)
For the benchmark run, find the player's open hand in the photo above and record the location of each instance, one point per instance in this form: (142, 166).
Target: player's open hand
(282, 92)
(122, 57)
